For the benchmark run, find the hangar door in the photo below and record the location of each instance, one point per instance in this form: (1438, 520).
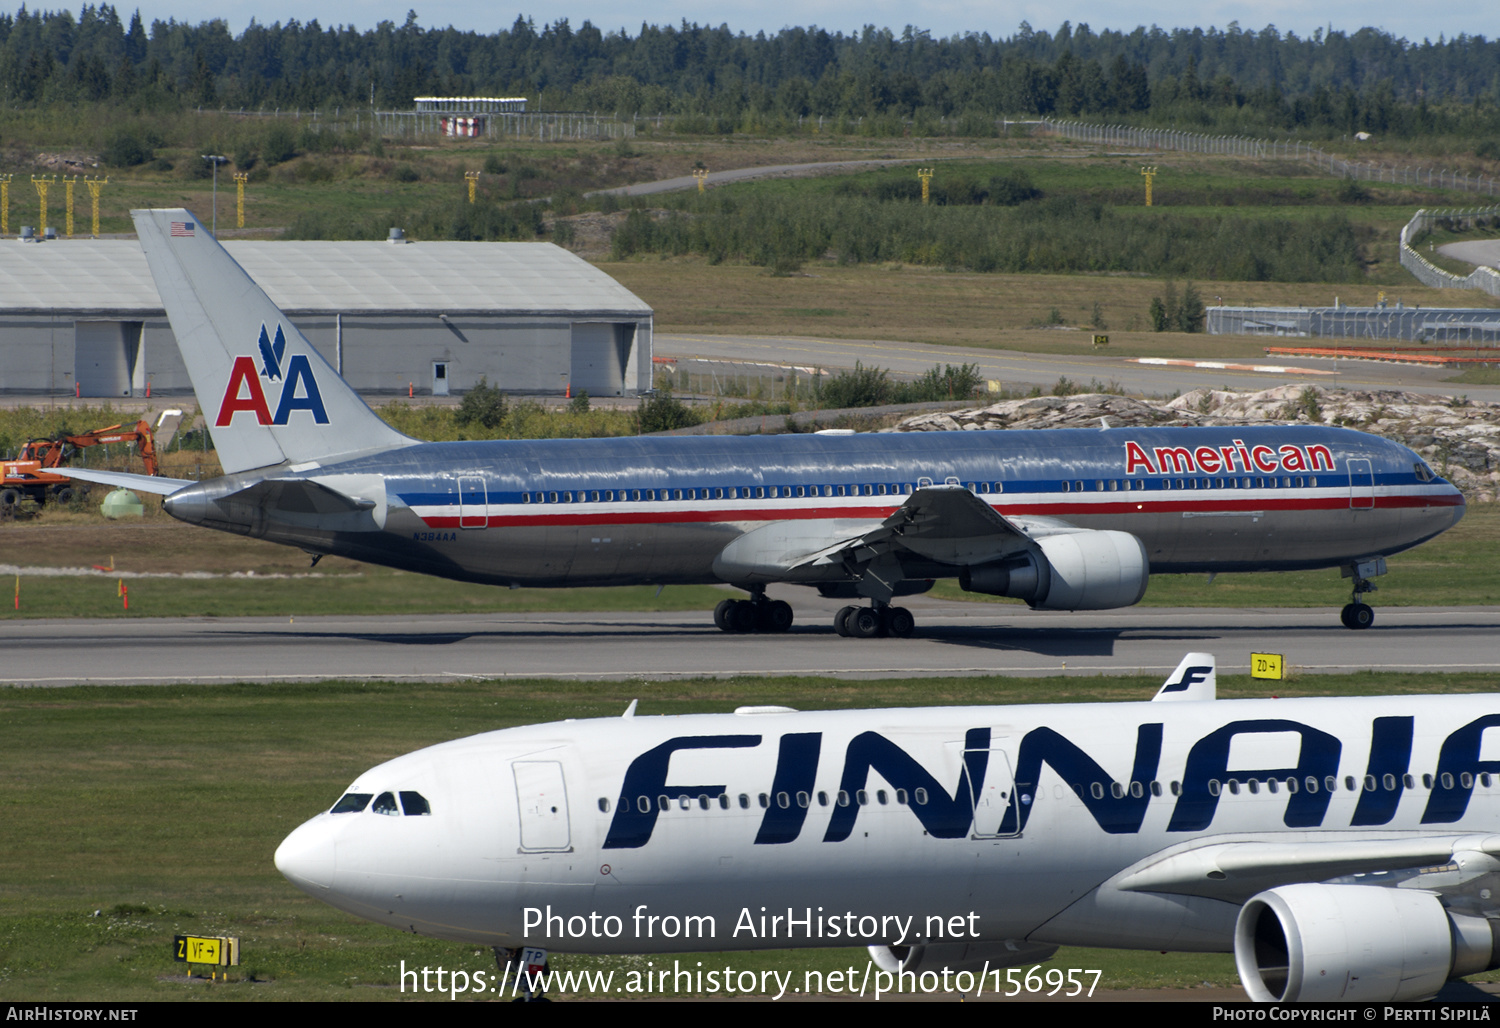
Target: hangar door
(107, 358)
(601, 353)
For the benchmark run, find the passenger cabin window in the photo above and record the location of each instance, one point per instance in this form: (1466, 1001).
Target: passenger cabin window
(351, 803)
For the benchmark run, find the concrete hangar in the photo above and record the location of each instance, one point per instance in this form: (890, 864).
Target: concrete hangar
(427, 317)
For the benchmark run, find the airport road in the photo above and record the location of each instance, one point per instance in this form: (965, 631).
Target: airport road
(952, 639)
(1476, 251)
(1024, 370)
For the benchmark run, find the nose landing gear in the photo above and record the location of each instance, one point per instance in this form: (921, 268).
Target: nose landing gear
(1358, 614)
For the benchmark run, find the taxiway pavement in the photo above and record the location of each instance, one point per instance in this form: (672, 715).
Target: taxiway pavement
(1021, 371)
(952, 638)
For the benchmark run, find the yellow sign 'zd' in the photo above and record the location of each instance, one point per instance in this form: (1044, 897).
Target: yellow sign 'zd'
(195, 949)
(1265, 665)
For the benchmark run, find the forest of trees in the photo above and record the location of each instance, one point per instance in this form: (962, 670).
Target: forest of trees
(1214, 79)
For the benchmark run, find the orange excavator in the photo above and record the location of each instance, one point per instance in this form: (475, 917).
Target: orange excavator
(29, 475)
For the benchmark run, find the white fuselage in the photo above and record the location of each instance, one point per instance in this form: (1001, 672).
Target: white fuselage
(876, 827)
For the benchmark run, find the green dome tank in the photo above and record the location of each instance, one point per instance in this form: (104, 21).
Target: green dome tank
(122, 503)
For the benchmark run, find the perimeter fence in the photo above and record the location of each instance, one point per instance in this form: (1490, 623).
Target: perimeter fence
(1247, 146)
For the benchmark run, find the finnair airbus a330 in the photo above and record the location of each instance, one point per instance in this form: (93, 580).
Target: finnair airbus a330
(1343, 849)
(1063, 519)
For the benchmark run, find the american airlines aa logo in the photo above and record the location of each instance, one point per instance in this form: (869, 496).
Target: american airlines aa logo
(245, 391)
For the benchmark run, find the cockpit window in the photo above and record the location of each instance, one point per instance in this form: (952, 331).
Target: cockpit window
(385, 803)
(415, 804)
(1424, 473)
(351, 803)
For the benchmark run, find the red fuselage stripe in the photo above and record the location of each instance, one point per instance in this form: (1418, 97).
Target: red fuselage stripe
(1174, 505)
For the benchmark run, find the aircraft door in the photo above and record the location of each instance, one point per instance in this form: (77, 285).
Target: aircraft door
(473, 503)
(542, 796)
(1361, 485)
(996, 797)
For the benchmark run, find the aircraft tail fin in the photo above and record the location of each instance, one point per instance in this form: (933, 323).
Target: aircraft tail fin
(267, 396)
(1194, 679)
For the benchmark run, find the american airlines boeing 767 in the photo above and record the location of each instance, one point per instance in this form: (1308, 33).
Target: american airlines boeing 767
(1062, 519)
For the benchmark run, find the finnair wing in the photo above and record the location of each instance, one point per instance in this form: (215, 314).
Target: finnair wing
(122, 479)
(1194, 679)
(1235, 871)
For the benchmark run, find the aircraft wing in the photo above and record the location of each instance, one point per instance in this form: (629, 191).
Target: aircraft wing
(1235, 871)
(123, 479)
(945, 523)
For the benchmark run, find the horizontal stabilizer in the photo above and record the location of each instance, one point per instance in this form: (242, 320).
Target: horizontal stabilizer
(124, 480)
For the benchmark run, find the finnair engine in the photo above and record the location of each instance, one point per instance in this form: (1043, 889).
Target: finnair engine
(1356, 943)
(1069, 571)
(959, 956)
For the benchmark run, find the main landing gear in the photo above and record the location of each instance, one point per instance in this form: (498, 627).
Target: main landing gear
(757, 614)
(874, 621)
(1358, 614)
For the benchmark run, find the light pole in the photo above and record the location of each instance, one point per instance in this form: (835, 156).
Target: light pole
(216, 160)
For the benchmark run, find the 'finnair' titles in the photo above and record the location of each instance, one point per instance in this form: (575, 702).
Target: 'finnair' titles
(1062, 519)
(1342, 848)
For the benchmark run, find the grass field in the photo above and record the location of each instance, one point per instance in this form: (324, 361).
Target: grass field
(928, 305)
(160, 807)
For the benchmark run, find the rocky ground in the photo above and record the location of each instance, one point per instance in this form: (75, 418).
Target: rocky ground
(1460, 438)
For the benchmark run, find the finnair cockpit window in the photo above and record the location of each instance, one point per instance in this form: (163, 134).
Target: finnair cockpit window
(351, 803)
(415, 804)
(385, 803)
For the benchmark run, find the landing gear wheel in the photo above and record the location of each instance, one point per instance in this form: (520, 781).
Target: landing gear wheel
(776, 616)
(866, 622)
(1361, 615)
(722, 619)
(899, 622)
(841, 621)
(742, 616)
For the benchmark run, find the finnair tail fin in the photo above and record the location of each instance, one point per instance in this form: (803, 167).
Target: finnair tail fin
(1194, 679)
(268, 397)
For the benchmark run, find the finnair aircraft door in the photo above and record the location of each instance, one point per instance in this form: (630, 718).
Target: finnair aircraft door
(542, 796)
(996, 796)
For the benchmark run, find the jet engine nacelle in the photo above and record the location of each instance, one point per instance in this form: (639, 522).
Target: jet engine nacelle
(1355, 943)
(959, 956)
(1072, 571)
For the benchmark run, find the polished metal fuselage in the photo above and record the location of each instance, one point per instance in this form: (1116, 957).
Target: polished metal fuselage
(660, 509)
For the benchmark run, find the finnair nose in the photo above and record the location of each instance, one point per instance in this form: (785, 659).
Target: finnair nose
(306, 856)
